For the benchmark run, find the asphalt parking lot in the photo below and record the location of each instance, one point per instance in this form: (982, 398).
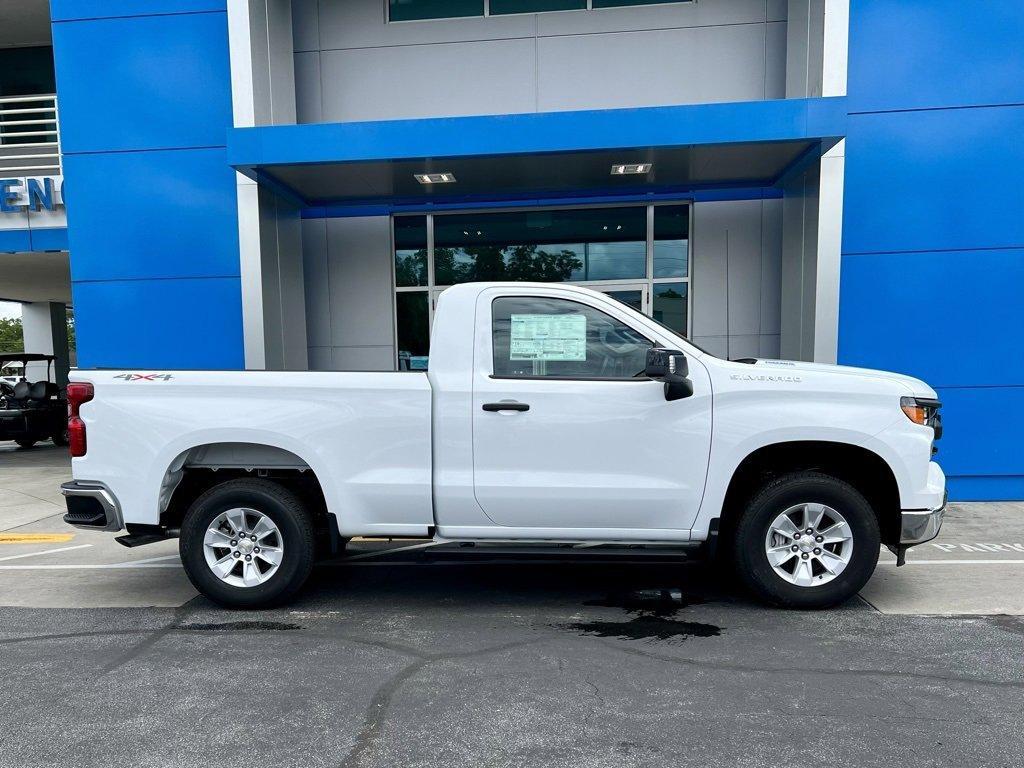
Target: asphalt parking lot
(453, 656)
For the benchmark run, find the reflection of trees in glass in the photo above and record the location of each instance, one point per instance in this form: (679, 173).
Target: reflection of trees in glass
(411, 267)
(513, 262)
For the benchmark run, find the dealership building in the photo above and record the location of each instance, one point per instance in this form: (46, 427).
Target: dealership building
(290, 184)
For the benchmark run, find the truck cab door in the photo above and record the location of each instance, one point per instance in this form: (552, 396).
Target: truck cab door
(568, 434)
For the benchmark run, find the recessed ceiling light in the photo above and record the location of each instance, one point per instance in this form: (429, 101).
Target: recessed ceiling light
(435, 178)
(632, 169)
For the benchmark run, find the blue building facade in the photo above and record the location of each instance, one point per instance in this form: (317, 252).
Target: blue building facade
(242, 180)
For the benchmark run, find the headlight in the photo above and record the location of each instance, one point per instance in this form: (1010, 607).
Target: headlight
(923, 411)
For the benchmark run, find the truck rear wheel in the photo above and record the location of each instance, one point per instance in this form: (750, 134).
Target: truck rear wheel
(248, 543)
(806, 540)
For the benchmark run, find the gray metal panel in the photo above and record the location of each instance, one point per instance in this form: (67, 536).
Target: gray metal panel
(633, 69)
(775, 61)
(494, 77)
(708, 264)
(727, 236)
(318, 285)
(669, 16)
(769, 347)
(363, 359)
(713, 344)
(305, 25)
(607, 58)
(360, 273)
(771, 267)
(744, 231)
(321, 358)
(776, 10)
(746, 345)
(308, 101)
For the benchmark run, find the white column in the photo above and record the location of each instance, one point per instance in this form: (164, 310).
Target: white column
(269, 235)
(816, 65)
(45, 330)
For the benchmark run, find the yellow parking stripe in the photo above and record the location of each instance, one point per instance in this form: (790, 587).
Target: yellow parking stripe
(35, 538)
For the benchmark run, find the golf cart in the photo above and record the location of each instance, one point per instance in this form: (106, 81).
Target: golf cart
(31, 411)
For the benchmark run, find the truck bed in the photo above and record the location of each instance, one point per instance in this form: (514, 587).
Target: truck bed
(367, 436)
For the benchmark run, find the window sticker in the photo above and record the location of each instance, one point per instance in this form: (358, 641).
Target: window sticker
(559, 338)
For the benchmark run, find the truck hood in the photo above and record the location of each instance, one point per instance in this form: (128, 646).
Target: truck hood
(915, 387)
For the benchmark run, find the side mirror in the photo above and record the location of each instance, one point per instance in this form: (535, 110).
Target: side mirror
(671, 367)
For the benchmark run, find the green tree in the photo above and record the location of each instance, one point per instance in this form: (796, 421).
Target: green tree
(11, 337)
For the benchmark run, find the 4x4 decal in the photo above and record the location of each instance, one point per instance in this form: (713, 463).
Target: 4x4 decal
(144, 376)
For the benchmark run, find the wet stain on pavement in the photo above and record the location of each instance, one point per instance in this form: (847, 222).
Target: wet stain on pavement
(654, 602)
(242, 626)
(652, 611)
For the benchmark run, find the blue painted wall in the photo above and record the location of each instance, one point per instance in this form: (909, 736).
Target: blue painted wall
(933, 236)
(145, 98)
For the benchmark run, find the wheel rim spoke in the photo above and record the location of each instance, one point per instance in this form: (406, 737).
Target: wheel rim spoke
(271, 555)
(803, 575)
(836, 534)
(797, 556)
(224, 566)
(779, 555)
(236, 519)
(784, 527)
(239, 564)
(812, 515)
(263, 528)
(215, 537)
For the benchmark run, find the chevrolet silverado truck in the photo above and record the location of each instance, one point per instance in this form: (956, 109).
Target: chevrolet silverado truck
(548, 414)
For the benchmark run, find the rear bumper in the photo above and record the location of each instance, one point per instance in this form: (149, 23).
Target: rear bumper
(919, 526)
(91, 506)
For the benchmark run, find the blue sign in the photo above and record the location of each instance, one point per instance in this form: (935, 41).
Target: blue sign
(34, 193)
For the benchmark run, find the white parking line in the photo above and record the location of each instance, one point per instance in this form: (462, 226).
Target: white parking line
(955, 562)
(87, 567)
(44, 552)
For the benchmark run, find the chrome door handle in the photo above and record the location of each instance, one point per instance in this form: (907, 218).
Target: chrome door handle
(506, 405)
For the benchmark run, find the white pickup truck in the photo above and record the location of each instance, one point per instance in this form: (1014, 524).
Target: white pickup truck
(549, 414)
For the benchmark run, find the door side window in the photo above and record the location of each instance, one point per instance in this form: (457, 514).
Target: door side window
(536, 336)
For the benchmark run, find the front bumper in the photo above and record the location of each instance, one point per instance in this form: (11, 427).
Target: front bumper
(919, 526)
(91, 506)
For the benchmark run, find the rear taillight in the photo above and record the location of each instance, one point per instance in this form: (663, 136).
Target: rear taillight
(78, 392)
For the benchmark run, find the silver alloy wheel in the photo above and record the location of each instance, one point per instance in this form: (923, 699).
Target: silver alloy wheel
(809, 544)
(243, 547)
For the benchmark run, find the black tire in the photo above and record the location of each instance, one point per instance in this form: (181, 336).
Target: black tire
(751, 560)
(60, 438)
(286, 511)
(25, 442)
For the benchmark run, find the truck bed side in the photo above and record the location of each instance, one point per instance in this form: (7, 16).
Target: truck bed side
(366, 436)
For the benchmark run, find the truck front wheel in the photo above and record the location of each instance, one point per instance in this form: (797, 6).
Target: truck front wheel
(806, 540)
(248, 543)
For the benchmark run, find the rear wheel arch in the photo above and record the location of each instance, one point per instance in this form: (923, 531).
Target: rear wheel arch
(200, 468)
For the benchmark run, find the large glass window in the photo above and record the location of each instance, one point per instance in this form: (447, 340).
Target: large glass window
(412, 310)
(637, 254)
(410, 251)
(548, 246)
(499, 7)
(671, 240)
(534, 336)
(669, 305)
(415, 10)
